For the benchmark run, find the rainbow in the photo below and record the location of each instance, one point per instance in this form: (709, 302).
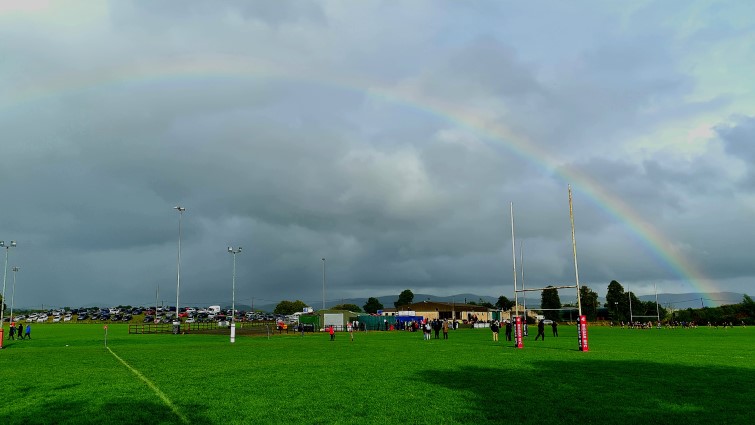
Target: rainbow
(235, 68)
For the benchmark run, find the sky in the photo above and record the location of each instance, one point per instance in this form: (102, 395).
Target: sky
(393, 139)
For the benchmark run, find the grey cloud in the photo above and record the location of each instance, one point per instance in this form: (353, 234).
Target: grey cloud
(739, 141)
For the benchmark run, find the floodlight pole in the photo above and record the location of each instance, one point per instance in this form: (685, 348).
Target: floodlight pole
(323, 283)
(180, 210)
(15, 270)
(5, 274)
(233, 251)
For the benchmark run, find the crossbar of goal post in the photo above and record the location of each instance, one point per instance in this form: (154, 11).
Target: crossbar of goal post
(541, 289)
(551, 287)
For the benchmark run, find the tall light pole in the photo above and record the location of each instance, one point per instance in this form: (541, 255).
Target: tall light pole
(15, 270)
(323, 283)
(233, 251)
(5, 274)
(180, 210)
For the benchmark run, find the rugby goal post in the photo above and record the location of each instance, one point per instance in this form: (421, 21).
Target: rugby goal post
(582, 323)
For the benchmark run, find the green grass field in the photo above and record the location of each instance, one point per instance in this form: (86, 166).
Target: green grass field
(65, 375)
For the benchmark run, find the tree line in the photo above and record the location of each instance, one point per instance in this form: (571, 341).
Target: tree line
(617, 307)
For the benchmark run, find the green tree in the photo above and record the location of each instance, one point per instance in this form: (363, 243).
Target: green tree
(504, 303)
(549, 299)
(289, 307)
(350, 307)
(372, 305)
(616, 301)
(748, 307)
(405, 297)
(487, 304)
(589, 300)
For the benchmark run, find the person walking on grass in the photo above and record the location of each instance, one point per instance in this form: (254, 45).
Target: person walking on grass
(351, 331)
(332, 333)
(445, 329)
(12, 331)
(20, 331)
(28, 332)
(540, 330)
(494, 328)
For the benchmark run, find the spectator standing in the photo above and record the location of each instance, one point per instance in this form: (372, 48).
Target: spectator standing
(540, 330)
(494, 328)
(508, 330)
(436, 328)
(350, 328)
(445, 329)
(332, 333)
(554, 326)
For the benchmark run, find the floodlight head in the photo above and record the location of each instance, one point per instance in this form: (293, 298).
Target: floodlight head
(323, 259)
(13, 244)
(2, 244)
(179, 208)
(239, 249)
(230, 249)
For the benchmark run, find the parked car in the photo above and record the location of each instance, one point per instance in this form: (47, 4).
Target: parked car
(67, 317)
(190, 320)
(81, 316)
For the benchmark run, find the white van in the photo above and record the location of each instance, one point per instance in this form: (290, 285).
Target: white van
(213, 309)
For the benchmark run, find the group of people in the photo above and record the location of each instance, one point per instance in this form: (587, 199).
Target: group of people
(541, 329)
(20, 331)
(638, 325)
(496, 327)
(436, 325)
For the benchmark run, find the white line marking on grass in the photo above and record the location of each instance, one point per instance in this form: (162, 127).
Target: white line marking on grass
(154, 388)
